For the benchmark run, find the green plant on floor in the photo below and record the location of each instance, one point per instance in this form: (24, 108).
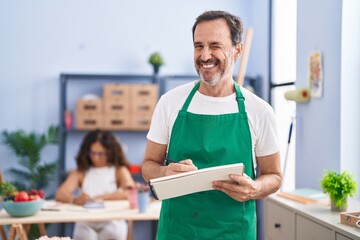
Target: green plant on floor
(339, 186)
(31, 173)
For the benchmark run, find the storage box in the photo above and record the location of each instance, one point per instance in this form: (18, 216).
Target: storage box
(350, 218)
(93, 106)
(143, 98)
(140, 122)
(89, 121)
(144, 92)
(143, 108)
(116, 107)
(116, 122)
(117, 92)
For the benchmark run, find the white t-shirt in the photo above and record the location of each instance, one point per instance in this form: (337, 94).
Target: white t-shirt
(100, 180)
(260, 114)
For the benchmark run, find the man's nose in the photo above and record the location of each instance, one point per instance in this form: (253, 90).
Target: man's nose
(205, 54)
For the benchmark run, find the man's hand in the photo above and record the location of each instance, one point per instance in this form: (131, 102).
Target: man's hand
(182, 166)
(240, 188)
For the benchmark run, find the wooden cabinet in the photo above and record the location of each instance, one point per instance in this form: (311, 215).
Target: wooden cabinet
(290, 220)
(341, 237)
(307, 229)
(281, 224)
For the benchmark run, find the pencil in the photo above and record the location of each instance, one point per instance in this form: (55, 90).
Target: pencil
(167, 160)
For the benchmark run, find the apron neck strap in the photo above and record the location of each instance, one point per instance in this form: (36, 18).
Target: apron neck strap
(239, 97)
(188, 99)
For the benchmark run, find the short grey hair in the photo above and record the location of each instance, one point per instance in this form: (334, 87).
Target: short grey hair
(235, 23)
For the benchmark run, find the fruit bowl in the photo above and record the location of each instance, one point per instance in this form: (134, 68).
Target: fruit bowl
(22, 209)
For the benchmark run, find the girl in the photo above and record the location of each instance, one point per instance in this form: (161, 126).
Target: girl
(102, 174)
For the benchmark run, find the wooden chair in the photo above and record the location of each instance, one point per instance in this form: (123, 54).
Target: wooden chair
(130, 235)
(17, 230)
(2, 233)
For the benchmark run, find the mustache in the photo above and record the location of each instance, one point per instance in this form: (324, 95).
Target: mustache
(209, 61)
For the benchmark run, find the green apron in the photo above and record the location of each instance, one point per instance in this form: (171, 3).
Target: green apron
(209, 140)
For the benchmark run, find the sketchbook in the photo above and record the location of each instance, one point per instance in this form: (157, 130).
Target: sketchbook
(191, 182)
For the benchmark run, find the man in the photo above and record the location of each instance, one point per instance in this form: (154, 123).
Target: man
(208, 123)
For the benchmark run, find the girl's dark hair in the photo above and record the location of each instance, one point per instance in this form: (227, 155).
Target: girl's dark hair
(115, 154)
(235, 24)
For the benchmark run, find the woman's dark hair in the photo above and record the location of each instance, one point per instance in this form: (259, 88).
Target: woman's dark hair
(235, 24)
(115, 154)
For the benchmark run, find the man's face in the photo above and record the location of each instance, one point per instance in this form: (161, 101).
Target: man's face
(214, 54)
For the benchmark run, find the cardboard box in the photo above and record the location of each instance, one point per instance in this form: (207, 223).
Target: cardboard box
(350, 218)
(116, 107)
(143, 109)
(116, 92)
(94, 106)
(89, 121)
(144, 98)
(116, 122)
(144, 92)
(140, 122)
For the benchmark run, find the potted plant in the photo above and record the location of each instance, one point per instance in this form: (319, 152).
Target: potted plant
(156, 60)
(338, 186)
(31, 172)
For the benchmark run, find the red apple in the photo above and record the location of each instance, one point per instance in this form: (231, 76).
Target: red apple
(34, 197)
(21, 197)
(39, 192)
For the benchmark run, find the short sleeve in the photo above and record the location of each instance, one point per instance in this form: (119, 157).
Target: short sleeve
(267, 142)
(158, 131)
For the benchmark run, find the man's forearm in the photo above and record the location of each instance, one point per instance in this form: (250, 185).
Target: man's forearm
(267, 184)
(151, 169)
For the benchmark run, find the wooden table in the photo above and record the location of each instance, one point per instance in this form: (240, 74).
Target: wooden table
(54, 212)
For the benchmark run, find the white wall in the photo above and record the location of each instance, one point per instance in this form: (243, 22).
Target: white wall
(318, 122)
(40, 39)
(328, 127)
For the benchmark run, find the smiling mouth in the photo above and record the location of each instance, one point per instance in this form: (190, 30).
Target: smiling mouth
(208, 64)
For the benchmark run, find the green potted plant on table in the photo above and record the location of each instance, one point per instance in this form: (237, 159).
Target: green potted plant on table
(156, 60)
(339, 186)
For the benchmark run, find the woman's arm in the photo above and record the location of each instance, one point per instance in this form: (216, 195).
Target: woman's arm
(65, 192)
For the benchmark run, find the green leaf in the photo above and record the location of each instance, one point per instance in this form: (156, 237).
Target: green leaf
(20, 175)
(27, 146)
(53, 134)
(339, 186)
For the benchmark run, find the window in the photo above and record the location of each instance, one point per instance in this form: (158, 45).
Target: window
(283, 76)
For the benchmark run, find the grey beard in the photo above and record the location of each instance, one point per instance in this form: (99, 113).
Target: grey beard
(213, 82)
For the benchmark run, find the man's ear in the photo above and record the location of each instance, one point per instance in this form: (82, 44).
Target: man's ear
(238, 50)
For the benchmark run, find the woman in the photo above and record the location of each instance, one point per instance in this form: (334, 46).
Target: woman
(102, 174)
